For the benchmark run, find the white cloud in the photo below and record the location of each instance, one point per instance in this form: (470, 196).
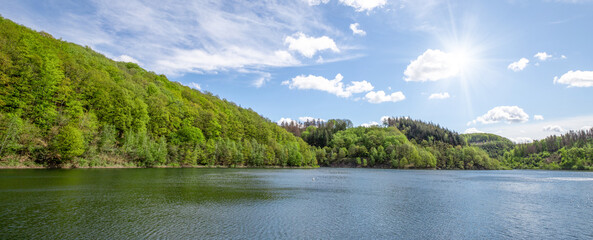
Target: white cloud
(586, 128)
(359, 87)
(334, 86)
(126, 58)
(380, 97)
(305, 119)
(553, 128)
(519, 65)
(231, 58)
(576, 79)
(370, 124)
(308, 46)
(472, 130)
(509, 114)
(259, 82)
(542, 56)
(195, 86)
(538, 117)
(356, 30)
(285, 120)
(563, 57)
(520, 140)
(432, 65)
(444, 95)
(364, 5)
(316, 2)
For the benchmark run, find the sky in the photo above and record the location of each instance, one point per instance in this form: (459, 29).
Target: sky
(517, 68)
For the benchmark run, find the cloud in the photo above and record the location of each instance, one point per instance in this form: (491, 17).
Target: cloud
(563, 57)
(316, 2)
(259, 82)
(285, 120)
(380, 97)
(356, 31)
(195, 86)
(384, 119)
(334, 86)
(308, 46)
(472, 130)
(519, 65)
(364, 5)
(521, 140)
(576, 79)
(553, 128)
(542, 56)
(126, 58)
(538, 117)
(444, 95)
(585, 128)
(370, 124)
(231, 58)
(508, 114)
(359, 87)
(432, 65)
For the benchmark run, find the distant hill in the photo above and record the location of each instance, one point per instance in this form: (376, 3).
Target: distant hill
(570, 151)
(62, 104)
(493, 144)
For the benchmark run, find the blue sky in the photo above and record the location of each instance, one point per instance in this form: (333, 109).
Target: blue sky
(521, 69)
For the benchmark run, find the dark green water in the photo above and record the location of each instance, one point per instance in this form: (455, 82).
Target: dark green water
(303, 204)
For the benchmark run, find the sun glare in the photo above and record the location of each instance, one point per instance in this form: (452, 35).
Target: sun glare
(460, 61)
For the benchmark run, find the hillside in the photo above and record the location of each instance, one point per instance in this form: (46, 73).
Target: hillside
(62, 104)
(493, 144)
(400, 143)
(570, 151)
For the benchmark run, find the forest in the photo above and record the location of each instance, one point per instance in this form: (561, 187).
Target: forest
(398, 143)
(64, 105)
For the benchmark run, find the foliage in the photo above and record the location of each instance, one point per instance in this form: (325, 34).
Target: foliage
(63, 104)
(422, 131)
(493, 144)
(570, 151)
(389, 147)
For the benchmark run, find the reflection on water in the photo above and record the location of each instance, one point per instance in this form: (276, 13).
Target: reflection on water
(273, 203)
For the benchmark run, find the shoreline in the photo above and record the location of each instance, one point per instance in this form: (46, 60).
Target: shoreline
(138, 167)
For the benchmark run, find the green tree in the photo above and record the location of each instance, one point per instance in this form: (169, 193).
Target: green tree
(69, 142)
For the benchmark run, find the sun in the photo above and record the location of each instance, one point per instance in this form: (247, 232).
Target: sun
(463, 60)
(460, 60)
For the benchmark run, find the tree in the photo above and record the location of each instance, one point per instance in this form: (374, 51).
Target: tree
(69, 142)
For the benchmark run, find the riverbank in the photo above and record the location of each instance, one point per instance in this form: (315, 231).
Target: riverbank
(32, 165)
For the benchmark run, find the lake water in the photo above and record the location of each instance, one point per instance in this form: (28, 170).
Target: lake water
(324, 203)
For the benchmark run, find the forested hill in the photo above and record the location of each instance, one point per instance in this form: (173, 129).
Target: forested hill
(493, 144)
(62, 104)
(399, 143)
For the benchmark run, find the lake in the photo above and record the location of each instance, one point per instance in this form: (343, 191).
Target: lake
(325, 203)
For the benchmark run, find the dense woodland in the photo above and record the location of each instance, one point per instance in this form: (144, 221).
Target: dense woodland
(570, 151)
(63, 105)
(66, 105)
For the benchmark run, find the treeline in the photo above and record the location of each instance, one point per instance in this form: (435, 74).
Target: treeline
(570, 151)
(339, 144)
(423, 131)
(62, 104)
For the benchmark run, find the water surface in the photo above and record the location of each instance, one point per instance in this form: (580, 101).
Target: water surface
(296, 203)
